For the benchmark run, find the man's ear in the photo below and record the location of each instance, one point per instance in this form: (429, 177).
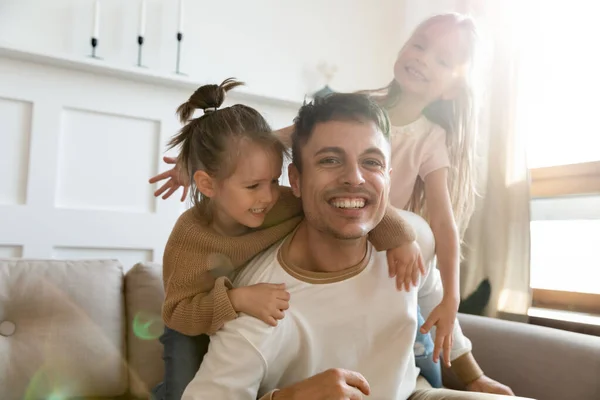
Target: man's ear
(205, 183)
(294, 177)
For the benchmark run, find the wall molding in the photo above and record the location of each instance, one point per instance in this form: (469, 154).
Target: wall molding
(135, 74)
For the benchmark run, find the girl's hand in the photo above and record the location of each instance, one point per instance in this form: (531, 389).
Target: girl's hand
(443, 317)
(265, 301)
(176, 179)
(405, 263)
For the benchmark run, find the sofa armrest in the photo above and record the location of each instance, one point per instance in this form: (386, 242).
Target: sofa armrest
(537, 362)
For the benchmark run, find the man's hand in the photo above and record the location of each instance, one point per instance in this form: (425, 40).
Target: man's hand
(488, 385)
(443, 317)
(404, 264)
(333, 384)
(176, 179)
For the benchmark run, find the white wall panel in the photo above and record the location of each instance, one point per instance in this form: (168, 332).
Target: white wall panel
(15, 130)
(105, 161)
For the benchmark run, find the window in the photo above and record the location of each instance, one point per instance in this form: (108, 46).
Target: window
(558, 113)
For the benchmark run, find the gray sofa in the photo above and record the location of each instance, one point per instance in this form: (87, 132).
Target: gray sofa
(84, 329)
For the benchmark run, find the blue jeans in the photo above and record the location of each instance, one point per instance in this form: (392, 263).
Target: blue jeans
(182, 356)
(424, 355)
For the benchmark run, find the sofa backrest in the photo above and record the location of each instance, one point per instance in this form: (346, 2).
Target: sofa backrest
(144, 295)
(63, 331)
(79, 329)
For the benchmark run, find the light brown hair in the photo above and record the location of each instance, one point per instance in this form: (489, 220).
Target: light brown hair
(209, 143)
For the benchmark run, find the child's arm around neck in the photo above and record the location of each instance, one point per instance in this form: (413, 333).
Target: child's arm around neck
(197, 302)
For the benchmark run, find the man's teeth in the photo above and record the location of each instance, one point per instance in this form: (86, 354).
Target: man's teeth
(348, 203)
(257, 210)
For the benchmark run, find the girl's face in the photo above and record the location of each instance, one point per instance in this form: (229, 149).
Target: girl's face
(247, 195)
(431, 62)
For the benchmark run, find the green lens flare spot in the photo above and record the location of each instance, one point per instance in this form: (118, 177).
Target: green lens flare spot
(147, 326)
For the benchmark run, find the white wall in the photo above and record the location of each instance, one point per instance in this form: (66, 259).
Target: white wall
(79, 138)
(273, 45)
(78, 143)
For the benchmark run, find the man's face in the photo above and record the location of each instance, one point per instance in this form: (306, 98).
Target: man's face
(345, 178)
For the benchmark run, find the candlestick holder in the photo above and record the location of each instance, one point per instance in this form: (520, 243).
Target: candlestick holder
(178, 62)
(140, 41)
(94, 42)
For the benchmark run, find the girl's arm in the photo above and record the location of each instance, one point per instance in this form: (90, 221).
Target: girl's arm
(199, 298)
(445, 232)
(447, 251)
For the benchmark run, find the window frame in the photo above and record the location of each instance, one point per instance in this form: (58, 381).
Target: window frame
(558, 181)
(565, 180)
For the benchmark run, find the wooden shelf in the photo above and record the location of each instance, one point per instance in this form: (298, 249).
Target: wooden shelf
(97, 66)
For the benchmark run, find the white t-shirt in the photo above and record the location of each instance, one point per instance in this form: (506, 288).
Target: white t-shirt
(417, 150)
(355, 319)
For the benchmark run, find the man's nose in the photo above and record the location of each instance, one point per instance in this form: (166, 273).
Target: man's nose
(353, 175)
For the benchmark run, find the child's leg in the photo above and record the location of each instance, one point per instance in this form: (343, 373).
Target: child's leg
(424, 355)
(182, 355)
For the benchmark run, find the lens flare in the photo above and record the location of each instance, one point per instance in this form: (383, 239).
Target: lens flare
(43, 386)
(147, 326)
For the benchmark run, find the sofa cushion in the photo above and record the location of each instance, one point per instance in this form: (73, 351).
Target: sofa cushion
(144, 298)
(68, 338)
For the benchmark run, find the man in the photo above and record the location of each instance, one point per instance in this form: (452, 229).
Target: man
(348, 332)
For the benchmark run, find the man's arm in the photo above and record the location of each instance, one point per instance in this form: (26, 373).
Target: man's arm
(232, 368)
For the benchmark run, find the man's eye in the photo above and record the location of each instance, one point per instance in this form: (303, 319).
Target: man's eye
(328, 160)
(252, 186)
(374, 163)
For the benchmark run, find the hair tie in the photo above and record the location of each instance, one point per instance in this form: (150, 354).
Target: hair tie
(209, 109)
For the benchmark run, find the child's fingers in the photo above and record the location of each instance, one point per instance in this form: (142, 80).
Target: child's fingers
(391, 265)
(400, 271)
(447, 349)
(283, 295)
(162, 189)
(421, 265)
(172, 190)
(437, 348)
(185, 192)
(271, 321)
(426, 327)
(283, 305)
(170, 160)
(278, 314)
(408, 277)
(415, 276)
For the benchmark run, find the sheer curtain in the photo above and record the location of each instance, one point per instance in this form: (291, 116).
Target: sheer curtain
(498, 238)
(497, 242)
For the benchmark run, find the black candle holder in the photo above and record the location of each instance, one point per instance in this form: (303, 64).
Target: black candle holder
(178, 63)
(140, 41)
(94, 43)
